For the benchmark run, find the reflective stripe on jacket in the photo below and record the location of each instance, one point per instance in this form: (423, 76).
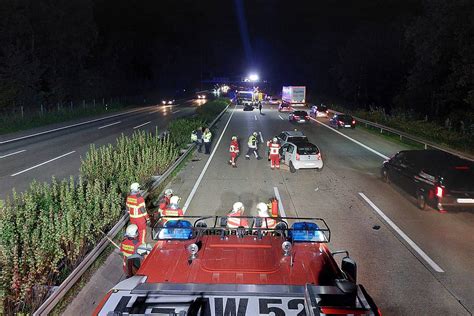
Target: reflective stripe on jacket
(252, 141)
(129, 246)
(136, 208)
(207, 137)
(274, 149)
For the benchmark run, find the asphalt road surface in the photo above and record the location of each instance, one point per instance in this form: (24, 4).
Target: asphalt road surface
(58, 153)
(412, 262)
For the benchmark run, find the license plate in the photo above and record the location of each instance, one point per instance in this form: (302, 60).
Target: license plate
(465, 200)
(347, 126)
(309, 164)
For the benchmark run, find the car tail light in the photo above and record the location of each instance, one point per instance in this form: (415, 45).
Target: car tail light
(297, 156)
(318, 156)
(439, 192)
(341, 123)
(296, 117)
(353, 122)
(327, 112)
(461, 168)
(307, 117)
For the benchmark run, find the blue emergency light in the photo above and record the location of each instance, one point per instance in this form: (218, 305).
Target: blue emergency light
(176, 229)
(306, 231)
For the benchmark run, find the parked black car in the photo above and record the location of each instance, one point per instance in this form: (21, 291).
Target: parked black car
(436, 178)
(342, 120)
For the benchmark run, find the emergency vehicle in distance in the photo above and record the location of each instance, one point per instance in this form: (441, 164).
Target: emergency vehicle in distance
(200, 266)
(246, 98)
(292, 96)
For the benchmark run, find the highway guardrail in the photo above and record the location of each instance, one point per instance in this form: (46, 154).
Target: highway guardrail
(75, 275)
(427, 144)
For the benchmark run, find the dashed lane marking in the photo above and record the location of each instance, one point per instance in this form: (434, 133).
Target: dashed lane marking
(351, 139)
(408, 240)
(11, 154)
(43, 163)
(176, 111)
(138, 126)
(255, 117)
(114, 123)
(261, 137)
(281, 118)
(196, 185)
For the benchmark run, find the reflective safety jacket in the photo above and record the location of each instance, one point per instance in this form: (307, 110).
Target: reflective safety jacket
(274, 148)
(234, 147)
(137, 210)
(129, 246)
(171, 212)
(207, 137)
(194, 136)
(268, 222)
(164, 202)
(252, 142)
(233, 222)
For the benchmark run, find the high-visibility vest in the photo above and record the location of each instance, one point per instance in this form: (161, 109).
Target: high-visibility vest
(136, 208)
(274, 149)
(171, 212)
(268, 222)
(194, 137)
(207, 137)
(252, 141)
(234, 147)
(129, 246)
(233, 222)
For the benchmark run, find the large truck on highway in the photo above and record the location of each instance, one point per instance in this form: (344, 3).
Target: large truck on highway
(246, 98)
(293, 96)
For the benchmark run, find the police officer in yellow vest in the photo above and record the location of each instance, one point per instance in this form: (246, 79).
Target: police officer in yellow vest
(207, 140)
(252, 144)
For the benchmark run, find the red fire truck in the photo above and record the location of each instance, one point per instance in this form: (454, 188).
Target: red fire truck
(200, 266)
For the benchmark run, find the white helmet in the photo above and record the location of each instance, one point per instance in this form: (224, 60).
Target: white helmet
(275, 140)
(234, 137)
(131, 231)
(255, 134)
(262, 209)
(168, 192)
(175, 199)
(134, 187)
(237, 207)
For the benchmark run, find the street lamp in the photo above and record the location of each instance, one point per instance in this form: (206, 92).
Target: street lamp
(253, 77)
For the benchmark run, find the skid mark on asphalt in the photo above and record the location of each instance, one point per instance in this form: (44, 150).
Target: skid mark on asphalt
(407, 239)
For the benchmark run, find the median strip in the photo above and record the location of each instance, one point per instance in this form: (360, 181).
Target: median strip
(115, 123)
(11, 154)
(43, 163)
(407, 239)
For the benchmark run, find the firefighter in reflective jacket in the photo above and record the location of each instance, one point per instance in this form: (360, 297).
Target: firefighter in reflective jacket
(274, 153)
(137, 210)
(165, 200)
(232, 220)
(267, 221)
(253, 146)
(129, 245)
(173, 209)
(234, 151)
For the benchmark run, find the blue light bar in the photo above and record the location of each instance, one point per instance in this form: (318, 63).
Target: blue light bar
(306, 231)
(176, 229)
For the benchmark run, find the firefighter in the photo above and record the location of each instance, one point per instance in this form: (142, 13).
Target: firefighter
(129, 245)
(234, 151)
(253, 144)
(237, 210)
(136, 208)
(173, 209)
(267, 221)
(274, 147)
(165, 200)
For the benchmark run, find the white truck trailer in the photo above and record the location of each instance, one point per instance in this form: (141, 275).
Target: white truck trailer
(293, 96)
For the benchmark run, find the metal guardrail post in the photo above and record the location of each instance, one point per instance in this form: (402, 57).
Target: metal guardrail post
(66, 285)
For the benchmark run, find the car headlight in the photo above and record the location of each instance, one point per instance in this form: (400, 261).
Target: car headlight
(170, 102)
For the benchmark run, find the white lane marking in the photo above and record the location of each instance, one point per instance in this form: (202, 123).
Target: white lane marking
(261, 137)
(68, 126)
(280, 204)
(43, 163)
(352, 139)
(410, 242)
(138, 126)
(115, 123)
(176, 111)
(193, 191)
(281, 118)
(11, 154)
(255, 117)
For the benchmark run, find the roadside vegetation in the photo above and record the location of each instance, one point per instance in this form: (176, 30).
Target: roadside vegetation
(410, 124)
(46, 231)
